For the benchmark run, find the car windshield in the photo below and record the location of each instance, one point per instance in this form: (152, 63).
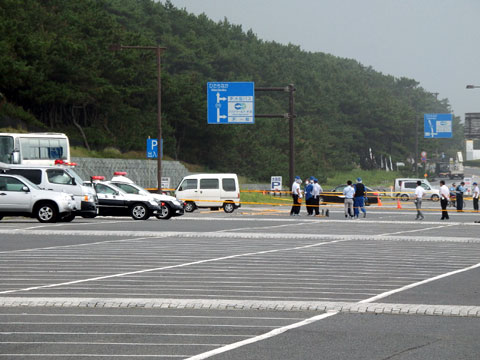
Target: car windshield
(73, 174)
(131, 188)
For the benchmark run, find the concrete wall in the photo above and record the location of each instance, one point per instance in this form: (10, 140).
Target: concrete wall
(142, 172)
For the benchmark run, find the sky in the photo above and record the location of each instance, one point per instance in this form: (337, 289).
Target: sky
(435, 42)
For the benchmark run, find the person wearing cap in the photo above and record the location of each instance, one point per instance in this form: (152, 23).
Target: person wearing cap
(359, 199)
(317, 190)
(309, 199)
(459, 196)
(475, 194)
(296, 195)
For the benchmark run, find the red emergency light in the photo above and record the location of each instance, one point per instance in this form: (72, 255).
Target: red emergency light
(120, 173)
(98, 177)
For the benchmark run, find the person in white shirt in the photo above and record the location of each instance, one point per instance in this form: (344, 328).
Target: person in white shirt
(476, 193)
(349, 192)
(444, 198)
(296, 195)
(317, 190)
(419, 191)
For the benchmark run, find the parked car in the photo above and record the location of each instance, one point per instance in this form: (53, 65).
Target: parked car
(336, 195)
(113, 201)
(170, 206)
(21, 197)
(404, 188)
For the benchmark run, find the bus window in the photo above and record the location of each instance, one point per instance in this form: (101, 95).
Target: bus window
(6, 149)
(43, 149)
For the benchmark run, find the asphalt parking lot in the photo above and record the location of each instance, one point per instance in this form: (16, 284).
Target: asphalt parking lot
(255, 284)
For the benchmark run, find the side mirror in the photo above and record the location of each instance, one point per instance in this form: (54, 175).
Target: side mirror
(25, 189)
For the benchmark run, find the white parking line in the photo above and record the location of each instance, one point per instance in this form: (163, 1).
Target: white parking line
(416, 230)
(311, 320)
(169, 267)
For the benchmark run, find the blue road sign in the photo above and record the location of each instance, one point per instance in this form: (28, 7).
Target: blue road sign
(230, 103)
(152, 149)
(437, 126)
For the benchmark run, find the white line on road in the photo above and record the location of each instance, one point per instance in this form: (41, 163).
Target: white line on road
(416, 230)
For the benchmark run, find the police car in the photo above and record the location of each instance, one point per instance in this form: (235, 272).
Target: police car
(113, 201)
(170, 206)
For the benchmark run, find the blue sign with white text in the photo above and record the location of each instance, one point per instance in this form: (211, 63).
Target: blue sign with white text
(152, 149)
(437, 126)
(230, 103)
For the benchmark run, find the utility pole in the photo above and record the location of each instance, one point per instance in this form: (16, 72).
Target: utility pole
(158, 50)
(291, 118)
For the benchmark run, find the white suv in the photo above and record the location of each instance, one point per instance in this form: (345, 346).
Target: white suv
(21, 197)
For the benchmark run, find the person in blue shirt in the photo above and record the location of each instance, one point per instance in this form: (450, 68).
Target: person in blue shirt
(459, 196)
(359, 199)
(309, 199)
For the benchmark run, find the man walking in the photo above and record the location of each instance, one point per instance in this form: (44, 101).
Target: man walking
(444, 198)
(419, 191)
(349, 192)
(359, 199)
(296, 195)
(476, 193)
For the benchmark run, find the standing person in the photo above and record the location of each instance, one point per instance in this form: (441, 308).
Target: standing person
(476, 193)
(444, 198)
(309, 199)
(317, 190)
(459, 196)
(296, 195)
(452, 194)
(359, 199)
(349, 192)
(419, 191)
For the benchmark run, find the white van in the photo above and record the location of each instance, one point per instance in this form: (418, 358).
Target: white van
(404, 188)
(209, 191)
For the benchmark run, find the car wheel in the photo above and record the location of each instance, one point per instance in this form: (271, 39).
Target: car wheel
(404, 197)
(228, 207)
(165, 212)
(435, 197)
(190, 206)
(68, 218)
(139, 212)
(46, 212)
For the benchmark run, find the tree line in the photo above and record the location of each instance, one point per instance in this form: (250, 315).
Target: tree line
(58, 74)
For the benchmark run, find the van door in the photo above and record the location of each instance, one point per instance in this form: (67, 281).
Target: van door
(188, 190)
(209, 193)
(230, 190)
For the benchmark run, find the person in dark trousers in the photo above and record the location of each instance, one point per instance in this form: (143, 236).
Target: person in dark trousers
(309, 199)
(317, 190)
(459, 196)
(444, 199)
(359, 199)
(296, 195)
(475, 195)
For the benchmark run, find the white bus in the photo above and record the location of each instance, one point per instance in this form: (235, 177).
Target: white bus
(34, 148)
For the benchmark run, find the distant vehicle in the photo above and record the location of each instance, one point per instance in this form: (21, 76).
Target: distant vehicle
(170, 206)
(209, 191)
(20, 197)
(336, 195)
(34, 148)
(113, 201)
(404, 189)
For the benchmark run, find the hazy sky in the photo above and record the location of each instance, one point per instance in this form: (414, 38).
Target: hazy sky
(436, 42)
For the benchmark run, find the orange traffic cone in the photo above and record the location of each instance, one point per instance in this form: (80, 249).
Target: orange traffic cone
(399, 206)
(379, 201)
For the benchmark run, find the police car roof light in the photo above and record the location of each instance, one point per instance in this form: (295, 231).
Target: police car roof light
(59, 162)
(98, 177)
(120, 173)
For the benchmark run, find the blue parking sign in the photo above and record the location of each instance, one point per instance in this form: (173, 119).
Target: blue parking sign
(152, 149)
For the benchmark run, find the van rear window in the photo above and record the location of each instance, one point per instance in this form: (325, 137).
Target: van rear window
(229, 185)
(209, 184)
(34, 176)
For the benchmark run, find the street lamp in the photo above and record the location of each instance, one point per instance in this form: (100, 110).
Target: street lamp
(158, 51)
(472, 86)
